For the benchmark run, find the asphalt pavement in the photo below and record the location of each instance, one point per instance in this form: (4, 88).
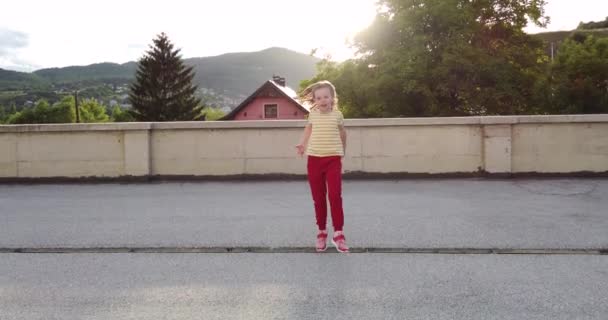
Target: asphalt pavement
(491, 249)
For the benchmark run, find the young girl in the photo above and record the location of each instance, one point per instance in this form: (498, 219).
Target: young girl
(324, 141)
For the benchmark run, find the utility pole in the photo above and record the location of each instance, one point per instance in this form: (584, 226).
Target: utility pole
(77, 110)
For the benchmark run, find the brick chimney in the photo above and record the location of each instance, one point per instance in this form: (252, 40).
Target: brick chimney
(278, 80)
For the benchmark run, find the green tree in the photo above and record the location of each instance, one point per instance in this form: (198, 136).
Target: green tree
(445, 58)
(120, 115)
(8, 112)
(61, 112)
(3, 115)
(357, 97)
(92, 110)
(64, 110)
(212, 114)
(163, 89)
(578, 82)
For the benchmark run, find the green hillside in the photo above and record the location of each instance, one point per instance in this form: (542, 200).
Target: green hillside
(93, 72)
(231, 77)
(559, 36)
(13, 80)
(239, 74)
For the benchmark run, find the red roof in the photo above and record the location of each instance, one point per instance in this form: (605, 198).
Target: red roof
(286, 92)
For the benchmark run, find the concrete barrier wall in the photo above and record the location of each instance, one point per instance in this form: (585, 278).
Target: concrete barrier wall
(510, 144)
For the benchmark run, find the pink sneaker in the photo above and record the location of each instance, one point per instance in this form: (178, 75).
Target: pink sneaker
(340, 242)
(321, 241)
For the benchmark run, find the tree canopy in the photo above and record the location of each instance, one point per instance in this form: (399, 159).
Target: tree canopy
(456, 58)
(63, 111)
(578, 79)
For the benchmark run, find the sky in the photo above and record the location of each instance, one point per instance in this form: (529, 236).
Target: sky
(43, 34)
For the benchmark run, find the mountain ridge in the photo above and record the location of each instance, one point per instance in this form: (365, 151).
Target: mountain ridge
(230, 77)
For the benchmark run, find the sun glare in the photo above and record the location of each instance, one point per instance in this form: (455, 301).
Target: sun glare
(345, 26)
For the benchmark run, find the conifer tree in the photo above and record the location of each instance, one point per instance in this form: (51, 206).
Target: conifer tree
(163, 89)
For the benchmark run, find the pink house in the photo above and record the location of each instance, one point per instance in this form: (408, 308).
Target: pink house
(272, 101)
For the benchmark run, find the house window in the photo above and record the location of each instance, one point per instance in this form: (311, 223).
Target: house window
(270, 111)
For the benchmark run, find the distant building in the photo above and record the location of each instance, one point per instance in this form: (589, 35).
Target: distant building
(272, 101)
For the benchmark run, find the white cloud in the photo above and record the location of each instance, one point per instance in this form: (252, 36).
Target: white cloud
(11, 42)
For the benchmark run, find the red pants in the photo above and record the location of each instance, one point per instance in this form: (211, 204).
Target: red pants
(325, 176)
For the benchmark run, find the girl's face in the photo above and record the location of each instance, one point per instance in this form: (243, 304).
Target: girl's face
(323, 99)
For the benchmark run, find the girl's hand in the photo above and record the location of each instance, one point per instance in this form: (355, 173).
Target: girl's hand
(300, 149)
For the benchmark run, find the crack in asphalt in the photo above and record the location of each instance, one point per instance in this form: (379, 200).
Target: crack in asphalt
(245, 249)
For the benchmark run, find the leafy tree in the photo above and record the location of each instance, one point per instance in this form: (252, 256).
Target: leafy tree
(63, 111)
(60, 112)
(92, 111)
(357, 97)
(445, 58)
(3, 115)
(163, 89)
(578, 81)
(120, 115)
(12, 109)
(212, 114)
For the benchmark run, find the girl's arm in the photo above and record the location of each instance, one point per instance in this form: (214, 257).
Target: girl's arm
(343, 137)
(304, 141)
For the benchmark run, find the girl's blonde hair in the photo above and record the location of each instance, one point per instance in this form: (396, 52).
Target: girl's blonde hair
(307, 96)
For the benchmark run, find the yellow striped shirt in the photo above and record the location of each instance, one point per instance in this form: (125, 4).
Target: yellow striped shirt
(325, 136)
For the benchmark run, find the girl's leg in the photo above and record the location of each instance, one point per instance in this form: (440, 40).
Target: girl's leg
(334, 186)
(316, 179)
